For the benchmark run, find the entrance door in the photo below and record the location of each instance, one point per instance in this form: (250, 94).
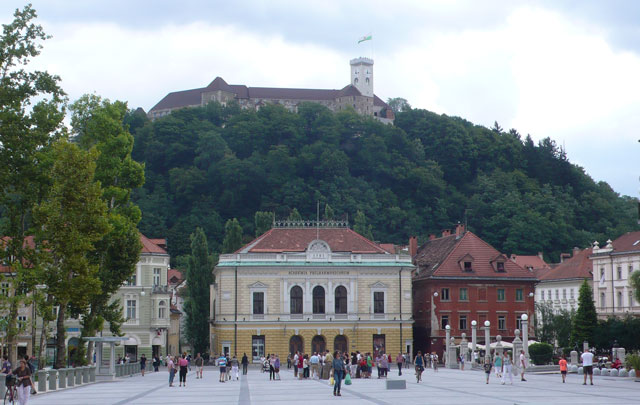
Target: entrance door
(378, 345)
(226, 348)
(296, 344)
(155, 351)
(340, 344)
(132, 351)
(318, 344)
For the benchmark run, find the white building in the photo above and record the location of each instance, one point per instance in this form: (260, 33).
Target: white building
(560, 286)
(612, 266)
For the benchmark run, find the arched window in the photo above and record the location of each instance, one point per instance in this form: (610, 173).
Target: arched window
(162, 310)
(296, 299)
(355, 81)
(318, 300)
(318, 344)
(340, 343)
(367, 80)
(296, 344)
(341, 300)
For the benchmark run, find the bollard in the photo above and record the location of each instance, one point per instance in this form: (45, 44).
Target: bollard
(71, 380)
(62, 378)
(3, 386)
(78, 375)
(85, 374)
(42, 380)
(53, 379)
(92, 374)
(131, 369)
(118, 372)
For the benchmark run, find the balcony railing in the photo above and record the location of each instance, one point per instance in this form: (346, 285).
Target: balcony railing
(160, 289)
(279, 317)
(132, 321)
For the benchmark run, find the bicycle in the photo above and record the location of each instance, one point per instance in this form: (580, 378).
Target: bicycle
(11, 395)
(419, 371)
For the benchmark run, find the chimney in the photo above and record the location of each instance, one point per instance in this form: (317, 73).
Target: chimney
(541, 256)
(563, 256)
(413, 246)
(432, 236)
(576, 250)
(513, 257)
(459, 230)
(446, 232)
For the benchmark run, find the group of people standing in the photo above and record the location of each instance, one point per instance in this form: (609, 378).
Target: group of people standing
(503, 366)
(182, 365)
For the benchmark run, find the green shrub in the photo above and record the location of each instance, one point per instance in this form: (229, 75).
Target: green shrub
(633, 362)
(541, 353)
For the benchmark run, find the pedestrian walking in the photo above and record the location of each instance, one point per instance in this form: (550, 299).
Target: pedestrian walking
(354, 365)
(199, 365)
(522, 364)
(507, 369)
(497, 364)
(399, 361)
(245, 364)
(183, 363)
(487, 367)
(172, 370)
(156, 363)
(143, 363)
(27, 359)
(419, 362)
(462, 362)
(222, 363)
(337, 365)
(435, 362)
(23, 382)
(587, 366)
(300, 366)
(276, 368)
(563, 368)
(234, 368)
(315, 366)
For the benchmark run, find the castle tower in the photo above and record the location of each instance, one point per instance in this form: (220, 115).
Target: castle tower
(362, 75)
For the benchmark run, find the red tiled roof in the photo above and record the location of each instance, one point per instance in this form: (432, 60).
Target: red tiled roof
(578, 266)
(440, 258)
(533, 262)
(148, 246)
(28, 242)
(628, 242)
(280, 240)
(174, 273)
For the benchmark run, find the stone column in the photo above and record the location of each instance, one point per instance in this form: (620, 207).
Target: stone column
(78, 374)
(621, 354)
(499, 348)
(464, 347)
(487, 339)
(92, 374)
(474, 337)
(53, 379)
(85, 374)
(112, 358)
(70, 377)
(446, 344)
(517, 346)
(574, 357)
(62, 378)
(42, 380)
(525, 338)
(452, 357)
(585, 346)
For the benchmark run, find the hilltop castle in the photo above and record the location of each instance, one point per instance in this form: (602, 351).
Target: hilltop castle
(357, 95)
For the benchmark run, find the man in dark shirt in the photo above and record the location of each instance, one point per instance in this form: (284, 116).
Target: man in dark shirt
(143, 363)
(245, 363)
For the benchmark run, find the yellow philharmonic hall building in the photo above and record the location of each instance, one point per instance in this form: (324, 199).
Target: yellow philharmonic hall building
(310, 286)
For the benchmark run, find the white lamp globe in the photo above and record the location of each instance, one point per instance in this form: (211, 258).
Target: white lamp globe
(447, 327)
(487, 324)
(524, 317)
(474, 323)
(435, 294)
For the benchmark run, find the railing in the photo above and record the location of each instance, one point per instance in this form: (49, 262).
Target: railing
(54, 380)
(302, 257)
(306, 317)
(160, 289)
(162, 322)
(132, 321)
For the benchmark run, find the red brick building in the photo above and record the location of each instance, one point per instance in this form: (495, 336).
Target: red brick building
(473, 282)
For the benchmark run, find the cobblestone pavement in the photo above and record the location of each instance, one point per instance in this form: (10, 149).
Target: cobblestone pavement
(444, 387)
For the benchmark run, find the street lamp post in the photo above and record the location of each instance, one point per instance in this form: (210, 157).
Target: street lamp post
(448, 333)
(525, 335)
(487, 339)
(474, 326)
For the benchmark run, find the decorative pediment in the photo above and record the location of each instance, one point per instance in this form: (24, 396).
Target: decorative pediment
(258, 284)
(378, 284)
(318, 250)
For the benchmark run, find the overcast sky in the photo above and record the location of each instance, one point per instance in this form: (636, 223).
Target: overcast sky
(569, 70)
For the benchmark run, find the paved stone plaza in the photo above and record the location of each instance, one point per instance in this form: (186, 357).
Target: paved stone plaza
(445, 387)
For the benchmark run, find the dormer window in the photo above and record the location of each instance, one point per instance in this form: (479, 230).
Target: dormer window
(500, 267)
(466, 263)
(498, 263)
(468, 266)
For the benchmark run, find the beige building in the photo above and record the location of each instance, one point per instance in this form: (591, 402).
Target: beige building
(311, 286)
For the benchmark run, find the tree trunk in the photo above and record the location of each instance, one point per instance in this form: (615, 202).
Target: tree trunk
(12, 332)
(61, 355)
(42, 353)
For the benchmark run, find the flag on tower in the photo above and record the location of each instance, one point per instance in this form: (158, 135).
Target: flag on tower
(365, 38)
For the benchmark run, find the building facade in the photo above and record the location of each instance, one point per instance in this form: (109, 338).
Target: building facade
(145, 299)
(459, 279)
(357, 95)
(559, 287)
(307, 286)
(612, 266)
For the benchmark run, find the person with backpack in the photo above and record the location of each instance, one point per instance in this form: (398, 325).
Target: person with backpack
(419, 362)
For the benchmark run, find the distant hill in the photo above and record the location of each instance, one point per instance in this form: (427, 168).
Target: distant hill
(206, 165)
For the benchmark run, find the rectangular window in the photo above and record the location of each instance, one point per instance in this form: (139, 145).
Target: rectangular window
(571, 293)
(500, 266)
(4, 289)
(601, 273)
(548, 294)
(482, 294)
(518, 322)
(502, 322)
(501, 296)
(22, 321)
(445, 294)
(463, 322)
(557, 294)
(519, 294)
(619, 273)
(564, 293)
(630, 298)
(156, 276)
(463, 294)
(131, 309)
(542, 295)
(468, 266)
(620, 303)
(257, 347)
(378, 302)
(258, 303)
(445, 321)
(602, 301)
(132, 280)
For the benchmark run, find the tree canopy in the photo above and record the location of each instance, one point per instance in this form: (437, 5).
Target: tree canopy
(210, 164)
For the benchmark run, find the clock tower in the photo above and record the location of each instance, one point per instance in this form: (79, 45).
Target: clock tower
(362, 75)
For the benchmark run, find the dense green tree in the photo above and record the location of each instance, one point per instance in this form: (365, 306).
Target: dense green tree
(586, 319)
(99, 124)
(232, 236)
(361, 226)
(398, 104)
(294, 215)
(71, 219)
(199, 277)
(263, 222)
(329, 214)
(634, 281)
(31, 113)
